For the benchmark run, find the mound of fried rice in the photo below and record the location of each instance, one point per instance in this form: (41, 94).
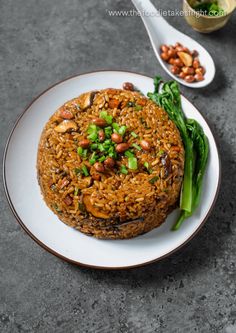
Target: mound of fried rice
(113, 205)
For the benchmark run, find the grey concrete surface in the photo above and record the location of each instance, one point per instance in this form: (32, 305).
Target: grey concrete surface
(194, 290)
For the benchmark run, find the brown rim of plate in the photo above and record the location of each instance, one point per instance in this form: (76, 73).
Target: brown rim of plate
(56, 253)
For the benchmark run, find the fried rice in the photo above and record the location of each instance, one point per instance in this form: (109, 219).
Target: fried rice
(141, 184)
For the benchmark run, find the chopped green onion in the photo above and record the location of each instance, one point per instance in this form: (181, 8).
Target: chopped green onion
(116, 127)
(93, 158)
(112, 154)
(146, 165)
(105, 116)
(122, 130)
(132, 163)
(101, 147)
(93, 136)
(85, 152)
(128, 153)
(80, 151)
(134, 134)
(153, 180)
(108, 131)
(94, 146)
(92, 128)
(85, 170)
(138, 107)
(123, 169)
(102, 159)
(136, 146)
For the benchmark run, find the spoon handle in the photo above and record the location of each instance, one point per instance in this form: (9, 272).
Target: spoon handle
(154, 23)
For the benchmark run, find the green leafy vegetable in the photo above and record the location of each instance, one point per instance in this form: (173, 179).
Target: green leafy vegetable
(195, 143)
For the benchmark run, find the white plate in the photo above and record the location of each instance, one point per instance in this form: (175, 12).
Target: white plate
(46, 229)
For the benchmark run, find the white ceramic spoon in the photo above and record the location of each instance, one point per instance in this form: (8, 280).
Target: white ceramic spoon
(161, 32)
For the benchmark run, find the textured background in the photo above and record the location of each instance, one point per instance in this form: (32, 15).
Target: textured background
(42, 42)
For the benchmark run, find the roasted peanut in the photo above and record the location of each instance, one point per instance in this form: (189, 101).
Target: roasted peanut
(188, 70)
(84, 143)
(179, 48)
(171, 53)
(164, 56)
(99, 122)
(196, 63)
(182, 75)
(117, 138)
(178, 63)
(128, 86)
(189, 78)
(99, 167)
(171, 61)
(199, 77)
(109, 162)
(101, 135)
(200, 70)
(145, 145)
(122, 147)
(194, 53)
(177, 45)
(164, 48)
(66, 114)
(175, 69)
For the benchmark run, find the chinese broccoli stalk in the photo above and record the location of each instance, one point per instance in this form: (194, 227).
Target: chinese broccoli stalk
(195, 144)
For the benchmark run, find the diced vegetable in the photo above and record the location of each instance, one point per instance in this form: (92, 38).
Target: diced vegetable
(136, 146)
(132, 163)
(128, 153)
(104, 115)
(123, 169)
(85, 170)
(122, 130)
(134, 134)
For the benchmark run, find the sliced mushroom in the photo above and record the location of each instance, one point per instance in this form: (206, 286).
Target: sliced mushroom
(66, 126)
(87, 100)
(93, 210)
(100, 101)
(165, 161)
